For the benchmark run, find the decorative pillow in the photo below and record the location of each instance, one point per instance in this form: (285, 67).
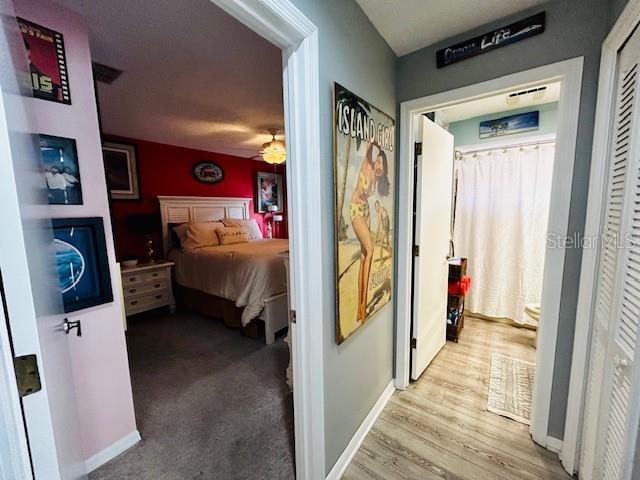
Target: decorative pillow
(231, 235)
(250, 225)
(198, 235)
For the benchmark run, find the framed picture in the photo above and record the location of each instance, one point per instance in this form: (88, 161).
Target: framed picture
(269, 191)
(208, 172)
(520, 123)
(61, 171)
(364, 176)
(47, 62)
(81, 260)
(121, 167)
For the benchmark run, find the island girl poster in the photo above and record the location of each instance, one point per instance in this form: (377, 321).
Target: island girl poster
(364, 173)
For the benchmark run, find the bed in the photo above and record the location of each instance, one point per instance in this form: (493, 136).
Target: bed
(251, 275)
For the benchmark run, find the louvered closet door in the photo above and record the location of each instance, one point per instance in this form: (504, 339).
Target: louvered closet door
(609, 406)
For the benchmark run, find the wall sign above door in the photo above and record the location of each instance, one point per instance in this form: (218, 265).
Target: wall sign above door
(497, 38)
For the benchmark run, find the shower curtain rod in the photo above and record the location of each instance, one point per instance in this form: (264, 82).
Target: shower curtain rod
(504, 147)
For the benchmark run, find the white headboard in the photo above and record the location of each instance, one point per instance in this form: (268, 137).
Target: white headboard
(198, 209)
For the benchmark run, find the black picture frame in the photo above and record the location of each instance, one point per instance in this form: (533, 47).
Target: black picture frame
(275, 195)
(80, 246)
(61, 170)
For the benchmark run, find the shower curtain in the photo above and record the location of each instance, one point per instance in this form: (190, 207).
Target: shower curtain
(501, 216)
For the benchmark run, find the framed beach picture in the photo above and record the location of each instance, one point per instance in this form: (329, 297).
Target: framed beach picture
(519, 123)
(81, 261)
(59, 160)
(364, 185)
(121, 167)
(47, 62)
(269, 192)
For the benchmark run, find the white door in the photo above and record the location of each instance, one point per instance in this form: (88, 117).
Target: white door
(29, 278)
(611, 402)
(434, 183)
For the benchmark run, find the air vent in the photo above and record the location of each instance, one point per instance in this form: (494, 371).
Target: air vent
(537, 93)
(103, 73)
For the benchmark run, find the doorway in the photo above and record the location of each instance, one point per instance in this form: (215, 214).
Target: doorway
(568, 75)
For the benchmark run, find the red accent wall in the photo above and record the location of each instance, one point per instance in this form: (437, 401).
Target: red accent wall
(166, 170)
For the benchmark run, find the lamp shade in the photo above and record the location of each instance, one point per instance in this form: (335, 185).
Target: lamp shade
(274, 152)
(272, 208)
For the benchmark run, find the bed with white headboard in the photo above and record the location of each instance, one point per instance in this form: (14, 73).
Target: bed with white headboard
(186, 209)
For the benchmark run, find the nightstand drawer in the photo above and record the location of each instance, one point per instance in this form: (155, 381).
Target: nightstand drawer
(147, 302)
(135, 290)
(144, 277)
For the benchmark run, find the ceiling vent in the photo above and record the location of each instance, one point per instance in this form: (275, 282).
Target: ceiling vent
(103, 73)
(536, 94)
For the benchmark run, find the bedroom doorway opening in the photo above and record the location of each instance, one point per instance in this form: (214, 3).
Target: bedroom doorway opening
(199, 209)
(487, 157)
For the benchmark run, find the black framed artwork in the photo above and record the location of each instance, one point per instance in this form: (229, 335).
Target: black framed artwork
(59, 157)
(121, 167)
(47, 62)
(81, 261)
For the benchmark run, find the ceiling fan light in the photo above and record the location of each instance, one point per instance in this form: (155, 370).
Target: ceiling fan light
(274, 152)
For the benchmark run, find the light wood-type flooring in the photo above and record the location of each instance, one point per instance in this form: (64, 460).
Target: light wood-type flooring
(439, 427)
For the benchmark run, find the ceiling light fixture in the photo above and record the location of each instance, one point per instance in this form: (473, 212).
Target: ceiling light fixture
(274, 152)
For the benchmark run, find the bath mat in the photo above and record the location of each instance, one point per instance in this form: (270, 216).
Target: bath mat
(510, 387)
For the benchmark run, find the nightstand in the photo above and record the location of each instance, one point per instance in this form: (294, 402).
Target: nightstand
(147, 286)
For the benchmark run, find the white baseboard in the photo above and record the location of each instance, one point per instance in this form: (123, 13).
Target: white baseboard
(112, 451)
(554, 444)
(345, 459)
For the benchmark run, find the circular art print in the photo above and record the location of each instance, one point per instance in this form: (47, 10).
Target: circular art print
(208, 172)
(70, 264)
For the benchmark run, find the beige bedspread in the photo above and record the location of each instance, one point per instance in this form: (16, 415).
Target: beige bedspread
(245, 273)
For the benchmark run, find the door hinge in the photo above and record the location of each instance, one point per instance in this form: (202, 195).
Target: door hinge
(27, 375)
(414, 343)
(416, 250)
(292, 316)
(418, 148)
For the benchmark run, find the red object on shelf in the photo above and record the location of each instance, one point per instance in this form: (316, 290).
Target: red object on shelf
(460, 287)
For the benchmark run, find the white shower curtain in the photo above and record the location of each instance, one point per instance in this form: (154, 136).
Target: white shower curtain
(502, 210)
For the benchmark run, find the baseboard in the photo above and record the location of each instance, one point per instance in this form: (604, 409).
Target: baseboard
(554, 444)
(112, 451)
(345, 459)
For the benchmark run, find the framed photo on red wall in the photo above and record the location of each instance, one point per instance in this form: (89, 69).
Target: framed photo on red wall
(47, 62)
(269, 188)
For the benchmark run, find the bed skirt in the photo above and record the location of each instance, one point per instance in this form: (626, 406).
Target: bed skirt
(214, 307)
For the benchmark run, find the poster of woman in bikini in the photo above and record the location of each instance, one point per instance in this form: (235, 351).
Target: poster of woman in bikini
(364, 173)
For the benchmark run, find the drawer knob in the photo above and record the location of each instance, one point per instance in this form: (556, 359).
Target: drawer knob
(158, 297)
(157, 285)
(133, 290)
(135, 302)
(155, 274)
(132, 279)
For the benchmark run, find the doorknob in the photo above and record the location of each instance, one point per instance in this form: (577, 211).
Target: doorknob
(67, 326)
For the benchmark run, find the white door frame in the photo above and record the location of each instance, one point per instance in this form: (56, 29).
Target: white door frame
(280, 22)
(569, 72)
(604, 122)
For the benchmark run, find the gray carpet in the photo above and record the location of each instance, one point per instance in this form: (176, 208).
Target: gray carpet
(210, 403)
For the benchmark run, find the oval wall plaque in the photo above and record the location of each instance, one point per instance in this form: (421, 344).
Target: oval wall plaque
(208, 172)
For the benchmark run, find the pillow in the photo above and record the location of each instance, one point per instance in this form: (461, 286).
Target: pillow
(250, 225)
(231, 235)
(198, 235)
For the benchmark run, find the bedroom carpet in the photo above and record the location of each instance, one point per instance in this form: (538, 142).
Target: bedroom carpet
(210, 403)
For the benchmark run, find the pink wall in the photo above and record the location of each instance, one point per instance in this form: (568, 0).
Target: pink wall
(166, 170)
(100, 363)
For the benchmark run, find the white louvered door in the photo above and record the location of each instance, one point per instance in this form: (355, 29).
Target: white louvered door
(612, 389)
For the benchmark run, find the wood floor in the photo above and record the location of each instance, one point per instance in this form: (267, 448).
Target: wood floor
(439, 427)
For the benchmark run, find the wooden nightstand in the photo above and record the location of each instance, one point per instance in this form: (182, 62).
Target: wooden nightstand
(147, 286)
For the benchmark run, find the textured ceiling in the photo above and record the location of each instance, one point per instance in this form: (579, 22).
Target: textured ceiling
(193, 75)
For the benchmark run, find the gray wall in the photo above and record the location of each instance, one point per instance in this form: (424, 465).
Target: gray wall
(574, 28)
(353, 54)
